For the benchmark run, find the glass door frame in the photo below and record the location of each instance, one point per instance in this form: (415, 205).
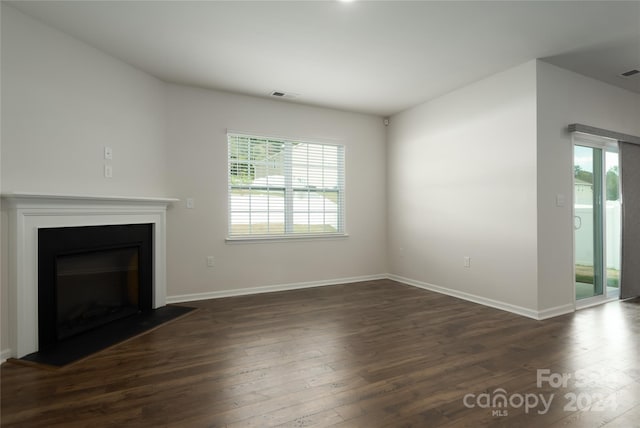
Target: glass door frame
(604, 145)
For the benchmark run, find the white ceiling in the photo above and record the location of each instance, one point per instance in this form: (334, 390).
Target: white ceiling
(377, 57)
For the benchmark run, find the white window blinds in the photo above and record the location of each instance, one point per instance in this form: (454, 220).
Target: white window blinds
(281, 187)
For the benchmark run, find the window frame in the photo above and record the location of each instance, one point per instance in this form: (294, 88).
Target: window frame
(288, 188)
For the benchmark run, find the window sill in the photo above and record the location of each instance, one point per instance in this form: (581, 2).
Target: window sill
(280, 238)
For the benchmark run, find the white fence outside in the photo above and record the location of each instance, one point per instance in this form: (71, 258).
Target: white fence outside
(583, 224)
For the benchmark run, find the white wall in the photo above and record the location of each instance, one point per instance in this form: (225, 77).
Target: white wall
(462, 182)
(472, 173)
(62, 102)
(483, 166)
(197, 121)
(565, 97)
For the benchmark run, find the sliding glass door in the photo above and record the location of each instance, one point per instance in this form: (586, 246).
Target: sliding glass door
(597, 215)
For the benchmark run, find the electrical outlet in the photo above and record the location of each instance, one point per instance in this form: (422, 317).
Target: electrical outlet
(210, 261)
(190, 203)
(108, 171)
(467, 261)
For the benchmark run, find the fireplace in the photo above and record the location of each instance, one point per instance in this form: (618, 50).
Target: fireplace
(29, 213)
(91, 276)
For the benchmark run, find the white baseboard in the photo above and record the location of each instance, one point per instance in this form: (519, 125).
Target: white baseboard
(529, 313)
(270, 288)
(4, 354)
(518, 310)
(556, 311)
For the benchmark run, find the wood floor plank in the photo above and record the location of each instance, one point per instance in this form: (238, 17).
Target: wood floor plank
(371, 354)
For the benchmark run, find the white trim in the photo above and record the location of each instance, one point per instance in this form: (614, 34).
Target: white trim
(29, 212)
(297, 139)
(270, 288)
(518, 310)
(590, 302)
(556, 311)
(38, 197)
(4, 355)
(247, 239)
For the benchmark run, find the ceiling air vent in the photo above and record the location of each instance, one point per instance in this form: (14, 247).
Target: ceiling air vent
(281, 94)
(630, 73)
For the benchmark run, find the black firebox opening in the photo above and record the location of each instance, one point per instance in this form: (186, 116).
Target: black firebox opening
(94, 288)
(91, 276)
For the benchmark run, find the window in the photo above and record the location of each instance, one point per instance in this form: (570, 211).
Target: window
(283, 187)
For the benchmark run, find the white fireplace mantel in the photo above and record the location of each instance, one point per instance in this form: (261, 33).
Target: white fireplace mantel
(28, 212)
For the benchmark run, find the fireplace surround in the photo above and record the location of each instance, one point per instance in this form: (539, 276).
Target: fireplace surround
(29, 213)
(89, 276)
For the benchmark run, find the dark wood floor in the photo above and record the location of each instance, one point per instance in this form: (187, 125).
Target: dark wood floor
(372, 354)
